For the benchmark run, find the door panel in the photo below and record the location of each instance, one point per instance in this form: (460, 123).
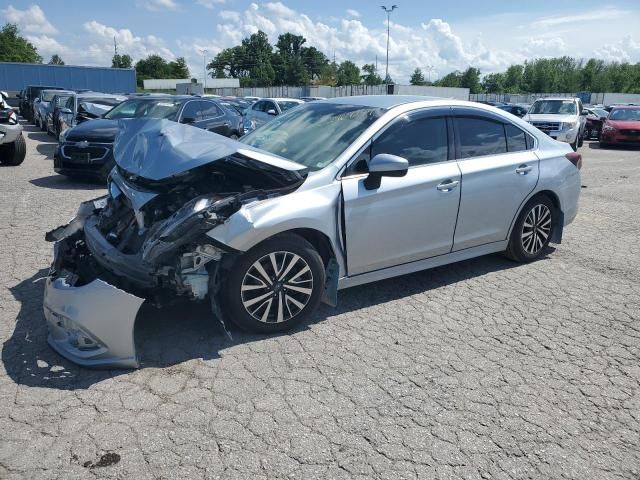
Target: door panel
(406, 219)
(493, 188)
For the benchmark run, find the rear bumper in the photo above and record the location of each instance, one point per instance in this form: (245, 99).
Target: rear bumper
(91, 325)
(619, 138)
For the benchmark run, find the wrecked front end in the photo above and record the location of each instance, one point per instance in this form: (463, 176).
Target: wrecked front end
(147, 240)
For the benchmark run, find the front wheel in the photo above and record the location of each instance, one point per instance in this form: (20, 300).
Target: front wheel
(274, 286)
(532, 231)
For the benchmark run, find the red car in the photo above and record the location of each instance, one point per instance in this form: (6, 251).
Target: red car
(621, 127)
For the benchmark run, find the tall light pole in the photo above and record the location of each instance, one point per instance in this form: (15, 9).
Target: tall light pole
(429, 69)
(388, 10)
(204, 52)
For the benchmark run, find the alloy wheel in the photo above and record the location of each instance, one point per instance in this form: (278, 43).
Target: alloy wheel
(277, 287)
(536, 229)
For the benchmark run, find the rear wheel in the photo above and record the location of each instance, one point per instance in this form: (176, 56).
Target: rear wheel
(532, 231)
(580, 139)
(274, 286)
(14, 153)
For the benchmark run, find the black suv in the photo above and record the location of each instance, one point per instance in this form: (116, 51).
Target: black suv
(28, 95)
(87, 149)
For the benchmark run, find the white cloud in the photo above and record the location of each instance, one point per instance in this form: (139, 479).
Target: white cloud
(101, 44)
(626, 50)
(158, 5)
(353, 13)
(210, 4)
(599, 15)
(31, 20)
(47, 46)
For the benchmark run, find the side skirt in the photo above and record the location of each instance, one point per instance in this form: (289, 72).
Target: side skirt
(346, 282)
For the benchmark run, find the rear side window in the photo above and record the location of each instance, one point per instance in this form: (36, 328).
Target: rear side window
(192, 110)
(421, 141)
(479, 137)
(516, 138)
(258, 106)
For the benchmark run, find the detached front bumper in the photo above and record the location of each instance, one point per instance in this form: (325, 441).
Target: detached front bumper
(91, 325)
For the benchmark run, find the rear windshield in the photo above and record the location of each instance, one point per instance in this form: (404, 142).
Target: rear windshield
(561, 107)
(628, 114)
(47, 96)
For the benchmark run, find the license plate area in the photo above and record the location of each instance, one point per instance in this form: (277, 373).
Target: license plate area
(80, 157)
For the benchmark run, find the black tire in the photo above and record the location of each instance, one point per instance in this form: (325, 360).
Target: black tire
(580, 139)
(14, 153)
(589, 134)
(43, 126)
(519, 249)
(285, 246)
(574, 145)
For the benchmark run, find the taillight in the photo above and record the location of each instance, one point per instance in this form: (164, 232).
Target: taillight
(575, 158)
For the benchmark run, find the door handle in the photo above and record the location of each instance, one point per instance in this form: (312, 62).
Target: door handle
(523, 169)
(448, 185)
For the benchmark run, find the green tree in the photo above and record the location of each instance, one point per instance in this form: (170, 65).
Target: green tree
(348, 74)
(154, 66)
(513, 79)
(289, 66)
(417, 77)
(471, 79)
(178, 69)
(329, 75)
(56, 60)
(452, 79)
(121, 61)
(314, 61)
(14, 48)
(493, 83)
(256, 54)
(370, 75)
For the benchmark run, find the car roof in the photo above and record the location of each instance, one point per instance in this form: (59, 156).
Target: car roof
(382, 101)
(626, 107)
(556, 98)
(283, 99)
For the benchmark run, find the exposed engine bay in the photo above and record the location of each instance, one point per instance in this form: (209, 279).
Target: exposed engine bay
(147, 238)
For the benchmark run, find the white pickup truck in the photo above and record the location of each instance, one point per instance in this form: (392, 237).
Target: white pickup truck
(12, 145)
(561, 118)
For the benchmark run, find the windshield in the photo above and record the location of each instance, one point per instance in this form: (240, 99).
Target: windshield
(314, 134)
(284, 106)
(148, 108)
(61, 100)
(625, 114)
(562, 107)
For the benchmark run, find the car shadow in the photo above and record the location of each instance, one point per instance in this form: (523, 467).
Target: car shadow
(60, 182)
(595, 145)
(34, 133)
(186, 331)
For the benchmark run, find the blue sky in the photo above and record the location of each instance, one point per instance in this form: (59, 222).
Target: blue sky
(443, 35)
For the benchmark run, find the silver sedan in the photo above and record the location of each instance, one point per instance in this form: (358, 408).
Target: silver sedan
(331, 194)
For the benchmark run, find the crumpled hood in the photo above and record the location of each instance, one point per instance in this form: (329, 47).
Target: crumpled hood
(624, 124)
(159, 149)
(98, 130)
(547, 117)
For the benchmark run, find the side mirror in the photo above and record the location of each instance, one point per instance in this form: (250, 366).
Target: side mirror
(271, 111)
(584, 113)
(385, 165)
(188, 120)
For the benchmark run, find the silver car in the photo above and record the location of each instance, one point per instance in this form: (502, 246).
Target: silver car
(266, 109)
(332, 194)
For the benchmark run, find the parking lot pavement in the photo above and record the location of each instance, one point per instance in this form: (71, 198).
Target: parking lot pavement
(483, 369)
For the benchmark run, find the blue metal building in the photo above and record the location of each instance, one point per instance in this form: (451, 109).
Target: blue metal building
(16, 76)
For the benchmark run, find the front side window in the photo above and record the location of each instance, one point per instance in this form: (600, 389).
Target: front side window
(479, 137)
(421, 141)
(284, 105)
(259, 106)
(192, 111)
(210, 110)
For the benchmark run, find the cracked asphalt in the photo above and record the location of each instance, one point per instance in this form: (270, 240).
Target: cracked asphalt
(481, 370)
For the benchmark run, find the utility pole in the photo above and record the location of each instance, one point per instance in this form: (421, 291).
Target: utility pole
(204, 52)
(388, 10)
(115, 46)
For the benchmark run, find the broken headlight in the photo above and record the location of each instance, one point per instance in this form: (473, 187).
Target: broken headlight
(195, 217)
